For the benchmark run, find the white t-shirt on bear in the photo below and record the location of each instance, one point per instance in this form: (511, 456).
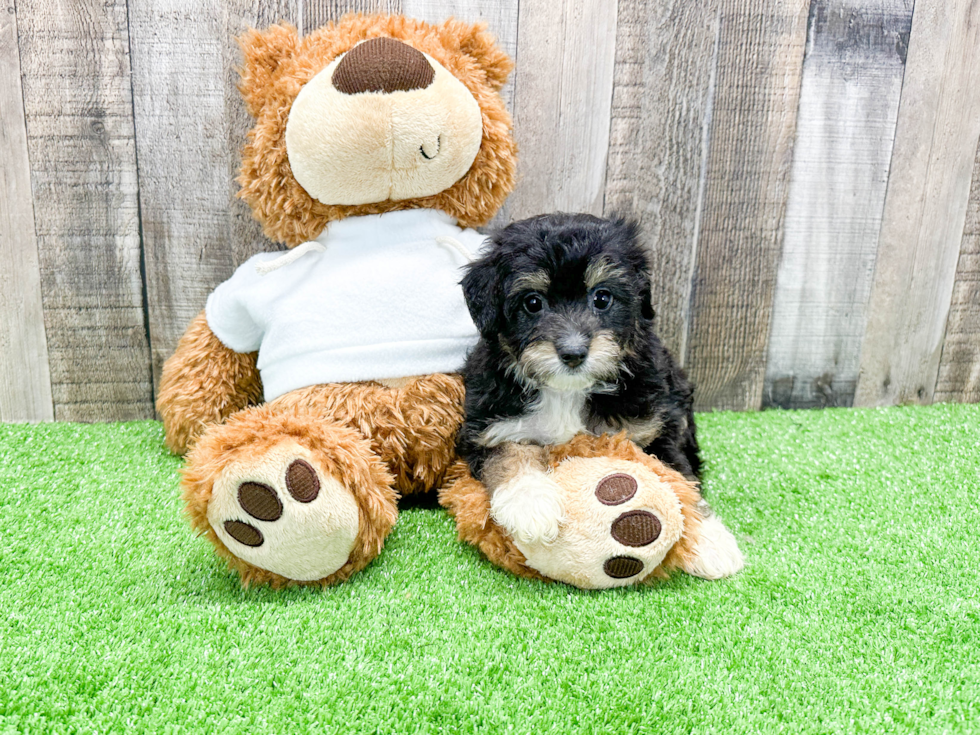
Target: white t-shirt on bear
(373, 297)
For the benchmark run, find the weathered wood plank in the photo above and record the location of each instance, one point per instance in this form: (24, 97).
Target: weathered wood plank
(665, 54)
(925, 208)
(959, 369)
(753, 120)
(852, 84)
(191, 124)
(78, 105)
(25, 384)
(562, 99)
(499, 15)
(316, 13)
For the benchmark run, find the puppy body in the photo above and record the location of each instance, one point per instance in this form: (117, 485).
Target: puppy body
(562, 303)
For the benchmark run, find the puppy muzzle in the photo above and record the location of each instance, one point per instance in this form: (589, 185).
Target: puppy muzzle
(571, 364)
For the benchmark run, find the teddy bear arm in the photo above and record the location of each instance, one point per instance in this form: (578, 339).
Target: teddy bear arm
(203, 383)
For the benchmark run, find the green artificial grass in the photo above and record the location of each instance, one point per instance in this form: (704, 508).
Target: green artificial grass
(858, 611)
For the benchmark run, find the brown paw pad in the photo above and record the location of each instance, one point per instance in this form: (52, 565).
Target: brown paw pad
(244, 533)
(616, 489)
(259, 501)
(636, 528)
(620, 567)
(302, 482)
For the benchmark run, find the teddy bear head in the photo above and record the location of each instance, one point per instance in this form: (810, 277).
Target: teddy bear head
(373, 114)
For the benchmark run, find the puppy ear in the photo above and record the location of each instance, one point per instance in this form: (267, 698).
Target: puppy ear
(482, 290)
(264, 52)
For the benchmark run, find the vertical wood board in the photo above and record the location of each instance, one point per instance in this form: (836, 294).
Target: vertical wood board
(925, 208)
(562, 98)
(190, 124)
(315, 13)
(753, 120)
(660, 118)
(25, 383)
(959, 368)
(78, 105)
(852, 83)
(499, 15)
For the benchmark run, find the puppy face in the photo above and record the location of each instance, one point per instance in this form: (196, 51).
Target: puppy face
(564, 296)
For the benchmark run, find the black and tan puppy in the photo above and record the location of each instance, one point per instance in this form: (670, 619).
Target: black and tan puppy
(563, 306)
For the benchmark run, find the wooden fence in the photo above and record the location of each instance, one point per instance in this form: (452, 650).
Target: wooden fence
(806, 173)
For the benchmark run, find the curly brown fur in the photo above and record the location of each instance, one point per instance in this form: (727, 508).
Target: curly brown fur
(468, 503)
(341, 451)
(411, 428)
(203, 383)
(278, 64)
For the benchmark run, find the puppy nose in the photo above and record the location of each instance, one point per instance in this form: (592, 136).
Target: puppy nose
(382, 65)
(574, 356)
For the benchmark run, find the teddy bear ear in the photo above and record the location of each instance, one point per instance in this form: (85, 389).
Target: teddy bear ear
(478, 43)
(264, 51)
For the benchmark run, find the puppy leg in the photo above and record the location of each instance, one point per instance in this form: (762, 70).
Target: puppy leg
(523, 498)
(716, 554)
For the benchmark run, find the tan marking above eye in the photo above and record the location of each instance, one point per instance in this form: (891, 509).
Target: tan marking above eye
(602, 270)
(536, 281)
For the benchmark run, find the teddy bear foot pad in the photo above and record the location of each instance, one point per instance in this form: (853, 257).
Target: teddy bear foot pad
(620, 522)
(282, 514)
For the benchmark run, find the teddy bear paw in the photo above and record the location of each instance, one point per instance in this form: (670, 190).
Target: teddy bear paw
(282, 513)
(621, 519)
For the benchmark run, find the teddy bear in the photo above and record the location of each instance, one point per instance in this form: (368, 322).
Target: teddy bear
(318, 384)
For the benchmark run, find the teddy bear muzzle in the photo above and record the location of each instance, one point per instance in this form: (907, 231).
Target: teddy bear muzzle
(382, 122)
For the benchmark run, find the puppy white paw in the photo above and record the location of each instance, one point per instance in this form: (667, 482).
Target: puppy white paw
(529, 507)
(717, 554)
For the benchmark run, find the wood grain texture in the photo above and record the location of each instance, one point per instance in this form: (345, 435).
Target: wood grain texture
(959, 368)
(315, 13)
(78, 105)
(499, 15)
(925, 208)
(25, 383)
(661, 110)
(191, 124)
(562, 99)
(852, 84)
(753, 121)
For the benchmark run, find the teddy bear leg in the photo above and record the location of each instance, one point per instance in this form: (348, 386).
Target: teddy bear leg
(621, 522)
(622, 519)
(287, 497)
(627, 518)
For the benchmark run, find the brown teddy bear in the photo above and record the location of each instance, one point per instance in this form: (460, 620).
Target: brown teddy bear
(317, 384)
(377, 140)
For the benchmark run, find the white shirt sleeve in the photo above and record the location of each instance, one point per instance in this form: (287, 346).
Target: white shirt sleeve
(234, 309)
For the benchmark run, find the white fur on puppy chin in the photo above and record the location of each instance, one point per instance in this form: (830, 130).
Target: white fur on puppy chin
(716, 555)
(529, 507)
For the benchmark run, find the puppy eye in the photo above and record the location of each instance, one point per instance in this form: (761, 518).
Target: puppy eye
(602, 299)
(533, 303)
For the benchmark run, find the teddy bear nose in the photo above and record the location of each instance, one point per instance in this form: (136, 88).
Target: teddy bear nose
(382, 65)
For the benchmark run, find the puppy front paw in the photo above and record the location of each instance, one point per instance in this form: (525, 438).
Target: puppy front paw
(529, 507)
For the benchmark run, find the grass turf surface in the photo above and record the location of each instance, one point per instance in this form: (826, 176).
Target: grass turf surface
(858, 611)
